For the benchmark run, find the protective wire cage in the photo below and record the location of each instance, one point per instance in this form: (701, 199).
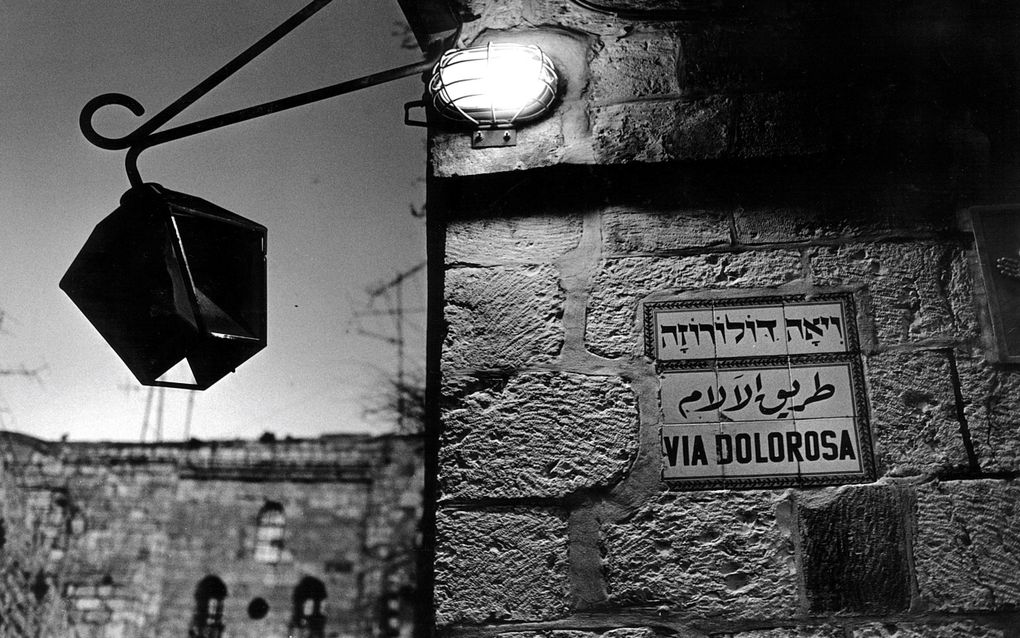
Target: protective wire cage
(494, 86)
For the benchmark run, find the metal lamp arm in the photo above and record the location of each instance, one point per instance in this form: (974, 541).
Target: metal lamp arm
(147, 134)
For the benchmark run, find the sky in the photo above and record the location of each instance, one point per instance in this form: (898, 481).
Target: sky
(333, 182)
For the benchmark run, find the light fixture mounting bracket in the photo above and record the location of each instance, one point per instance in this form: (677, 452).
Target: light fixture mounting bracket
(494, 138)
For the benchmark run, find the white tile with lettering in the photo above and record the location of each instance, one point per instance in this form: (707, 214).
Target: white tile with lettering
(689, 396)
(815, 327)
(749, 331)
(684, 334)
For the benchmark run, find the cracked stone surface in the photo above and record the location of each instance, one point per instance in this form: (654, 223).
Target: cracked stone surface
(991, 397)
(502, 317)
(500, 566)
(710, 554)
(630, 231)
(914, 423)
(512, 240)
(536, 434)
(967, 545)
(854, 549)
(962, 629)
(917, 290)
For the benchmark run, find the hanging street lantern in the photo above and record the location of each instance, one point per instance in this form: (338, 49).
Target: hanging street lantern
(169, 279)
(177, 285)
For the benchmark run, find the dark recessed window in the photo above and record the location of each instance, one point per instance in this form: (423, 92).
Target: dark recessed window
(308, 614)
(208, 619)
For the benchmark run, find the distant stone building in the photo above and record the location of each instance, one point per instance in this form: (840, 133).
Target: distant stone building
(310, 538)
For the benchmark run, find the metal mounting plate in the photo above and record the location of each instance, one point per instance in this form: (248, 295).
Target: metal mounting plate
(493, 137)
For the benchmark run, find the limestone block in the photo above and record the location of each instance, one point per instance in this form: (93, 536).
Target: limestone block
(623, 632)
(511, 240)
(917, 290)
(642, 65)
(781, 124)
(961, 629)
(854, 549)
(502, 317)
(914, 424)
(658, 131)
(705, 554)
(822, 631)
(539, 144)
(620, 283)
(500, 566)
(538, 434)
(967, 545)
(643, 231)
(991, 396)
(738, 57)
(790, 223)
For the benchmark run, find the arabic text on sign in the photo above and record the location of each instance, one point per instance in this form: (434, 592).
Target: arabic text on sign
(756, 394)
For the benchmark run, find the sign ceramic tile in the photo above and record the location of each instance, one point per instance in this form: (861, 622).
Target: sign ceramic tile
(761, 391)
(689, 451)
(690, 397)
(754, 331)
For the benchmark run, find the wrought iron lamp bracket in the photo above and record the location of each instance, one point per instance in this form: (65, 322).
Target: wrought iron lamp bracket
(148, 134)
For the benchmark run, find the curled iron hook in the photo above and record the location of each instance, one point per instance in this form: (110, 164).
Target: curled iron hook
(108, 99)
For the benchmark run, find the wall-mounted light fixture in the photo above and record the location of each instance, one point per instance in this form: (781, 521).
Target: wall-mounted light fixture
(169, 278)
(493, 88)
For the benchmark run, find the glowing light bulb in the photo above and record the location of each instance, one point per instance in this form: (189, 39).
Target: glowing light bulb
(497, 85)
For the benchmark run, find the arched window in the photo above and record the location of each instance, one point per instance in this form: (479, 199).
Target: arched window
(208, 619)
(308, 617)
(269, 532)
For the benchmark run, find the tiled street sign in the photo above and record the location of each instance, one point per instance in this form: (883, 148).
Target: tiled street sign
(759, 392)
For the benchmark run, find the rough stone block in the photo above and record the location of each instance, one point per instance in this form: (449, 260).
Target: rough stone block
(854, 549)
(538, 434)
(539, 144)
(502, 317)
(967, 545)
(914, 424)
(737, 57)
(961, 629)
(822, 631)
(500, 566)
(991, 396)
(783, 223)
(623, 632)
(726, 555)
(660, 131)
(917, 290)
(640, 66)
(511, 240)
(644, 231)
(621, 283)
(781, 124)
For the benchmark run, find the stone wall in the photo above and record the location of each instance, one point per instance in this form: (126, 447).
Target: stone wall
(122, 534)
(704, 148)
